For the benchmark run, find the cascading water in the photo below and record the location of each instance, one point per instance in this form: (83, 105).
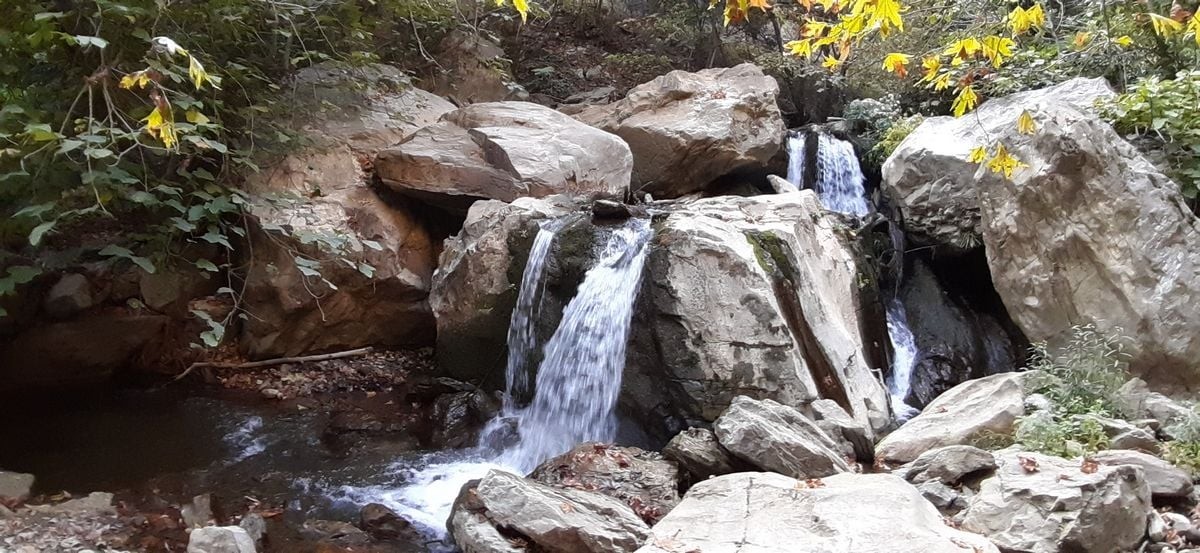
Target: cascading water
(578, 381)
(904, 348)
(840, 180)
(840, 186)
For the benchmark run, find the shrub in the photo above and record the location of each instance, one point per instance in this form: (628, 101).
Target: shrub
(1081, 377)
(1071, 437)
(1184, 450)
(893, 136)
(1165, 109)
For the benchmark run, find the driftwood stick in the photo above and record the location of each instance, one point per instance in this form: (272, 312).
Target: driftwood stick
(276, 361)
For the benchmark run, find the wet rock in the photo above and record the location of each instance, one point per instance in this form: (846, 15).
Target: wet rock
(334, 533)
(475, 286)
(781, 185)
(458, 417)
(70, 295)
(687, 129)
(781, 313)
(778, 438)
(15, 487)
(504, 151)
(197, 513)
(549, 519)
(698, 452)
(83, 350)
(322, 193)
(1045, 504)
(969, 411)
(642, 480)
(853, 440)
(950, 464)
(750, 511)
(95, 503)
(220, 539)
(1166, 481)
(383, 523)
(609, 209)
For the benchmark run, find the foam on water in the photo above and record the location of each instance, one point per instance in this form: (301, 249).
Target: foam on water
(904, 348)
(840, 180)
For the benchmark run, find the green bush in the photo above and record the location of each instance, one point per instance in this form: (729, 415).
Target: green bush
(893, 136)
(1165, 109)
(1083, 375)
(1184, 450)
(1070, 437)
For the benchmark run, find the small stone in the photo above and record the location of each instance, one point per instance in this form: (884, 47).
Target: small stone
(1156, 528)
(609, 209)
(950, 464)
(197, 513)
(271, 393)
(942, 496)
(15, 487)
(383, 523)
(697, 452)
(220, 539)
(254, 525)
(70, 295)
(1177, 522)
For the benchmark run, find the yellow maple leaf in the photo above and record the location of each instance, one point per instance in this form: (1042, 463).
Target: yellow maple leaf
(137, 79)
(897, 63)
(735, 11)
(942, 82)
(1018, 21)
(1036, 15)
(931, 64)
(963, 50)
(813, 29)
(996, 48)
(1193, 26)
(830, 63)
(760, 4)
(978, 154)
(195, 117)
(887, 16)
(1123, 41)
(1004, 163)
(1025, 123)
(966, 101)
(162, 126)
(802, 47)
(1164, 26)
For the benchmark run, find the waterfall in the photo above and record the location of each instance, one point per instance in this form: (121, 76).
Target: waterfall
(839, 180)
(904, 348)
(580, 376)
(575, 393)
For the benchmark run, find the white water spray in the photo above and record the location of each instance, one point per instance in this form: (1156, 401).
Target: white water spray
(904, 351)
(840, 180)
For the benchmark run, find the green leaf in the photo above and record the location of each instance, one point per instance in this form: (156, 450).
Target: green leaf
(206, 265)
(48, 15)
(182, 224)
(34, 210)
(216, 238)
(373, 245)
(366, 270)
(99, 153)
(40, 132)
(69, 145)
(38, 232)
(113, 250)
(85, 41)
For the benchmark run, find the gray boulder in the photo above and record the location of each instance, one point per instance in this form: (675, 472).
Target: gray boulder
(950, 464)
(933, 185)
(551, 519)
(1165, 480)
(964, 413)
(504, 151)
(687, 129)
(70, 295)
(776, 437)
(15, 487)
(700, 454)
(1043, 504)
(852, 438)
(220, 539)
(752, 512)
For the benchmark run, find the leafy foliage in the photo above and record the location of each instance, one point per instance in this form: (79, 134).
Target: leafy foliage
(1070, 437)
(1184, 450)
(1081, 377)
(1166, 110)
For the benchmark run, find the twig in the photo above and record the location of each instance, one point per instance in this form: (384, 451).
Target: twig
(277, 361)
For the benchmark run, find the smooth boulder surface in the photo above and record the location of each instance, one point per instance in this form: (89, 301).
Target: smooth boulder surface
(752, 512)
(928, 175)
(220, 539)
(317, 203)
(1165, 480)
(554, 520)
(1096, 235)
(700, 454)
(475, 286)
(950, 464)
(776, 437)
(687, 129)
(1043, 504)
(643, 480)
(15, 487)
(757, 296)
(504, 151)
(962, 414)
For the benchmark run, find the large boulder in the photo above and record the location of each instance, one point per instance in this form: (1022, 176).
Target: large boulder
(1043, 504)
(504, 151)
(778, 438)
(15, 487)
(687, 129)
(220, 539)
(551, 519)
(472, 68)
(928, 176)
(970, 411)
(1092, 233)
(1166, 481)
(764, 512)
(781, 312)
(476, 284)
(334, 265)
(643, 480)
(84, 350)
(949, 465)
(700, 454)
